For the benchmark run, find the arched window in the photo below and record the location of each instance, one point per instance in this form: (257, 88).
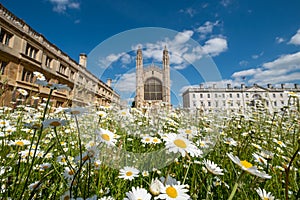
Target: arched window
(153, 89)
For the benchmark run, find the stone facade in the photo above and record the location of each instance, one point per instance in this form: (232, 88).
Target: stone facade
(238, 98)
(24, 51)
(152, 82)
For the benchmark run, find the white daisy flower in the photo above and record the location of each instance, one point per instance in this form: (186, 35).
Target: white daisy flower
(129, 173)
(23, 92)
(213, 168)
(155, 187)
(155, 140)
(54, 122)
(264, 195)
(174, 192)
(248, 167)
(259, 159)
(230, 142)
(39, 76)
(280, 143)
(178, 143)
(146, 139)
(106, 136)
(138, 194)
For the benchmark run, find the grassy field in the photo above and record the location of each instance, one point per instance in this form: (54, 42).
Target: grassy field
(107, 153)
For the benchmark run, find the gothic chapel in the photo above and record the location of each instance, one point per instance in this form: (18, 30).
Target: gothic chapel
(152, 82)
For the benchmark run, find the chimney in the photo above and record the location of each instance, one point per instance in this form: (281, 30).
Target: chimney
(83, 60)
(201, 86)
(242, 85)
(282, 85)
(214, 86)
(296, 86)
(269, 85)
(108, 82)
(228, 86)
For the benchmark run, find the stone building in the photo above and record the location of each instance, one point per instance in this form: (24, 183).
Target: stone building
(24, 51)
(152, 82)
(238, 98)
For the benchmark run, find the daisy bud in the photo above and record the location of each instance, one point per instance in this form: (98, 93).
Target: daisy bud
(155, 187)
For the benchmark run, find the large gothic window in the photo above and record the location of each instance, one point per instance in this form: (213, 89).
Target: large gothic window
(153, 89)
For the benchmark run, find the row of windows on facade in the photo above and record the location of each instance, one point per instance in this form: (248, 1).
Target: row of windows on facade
(230, 95)
(32, 52)
(238, 103)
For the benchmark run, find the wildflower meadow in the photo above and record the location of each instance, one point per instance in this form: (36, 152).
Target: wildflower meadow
(103, 152)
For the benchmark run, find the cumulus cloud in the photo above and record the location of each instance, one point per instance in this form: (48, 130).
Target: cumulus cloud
(215, 46)
(256, 56)
(61, 6)
(126, 83)
(108, 60)
(295, 39)
(283, 69)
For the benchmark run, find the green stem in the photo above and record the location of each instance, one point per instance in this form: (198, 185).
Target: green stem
(235, 186)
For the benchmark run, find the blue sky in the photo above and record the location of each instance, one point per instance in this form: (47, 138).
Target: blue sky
(248, 41)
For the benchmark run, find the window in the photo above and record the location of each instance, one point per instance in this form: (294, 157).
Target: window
(62, 69)
(216, 95)
(27, 76)
(201, 95)
(238, 95)
(223, 95)
(208, 103)
(274, 95)
(282, 102)
(275, 103)
(72, 75)
(281, 95)
(217, 104)
(230, 95)
(31, 51)
(48, 62)
(2, 67)
(5, 37)
(194, 96)
(208, 95)
(153, 89)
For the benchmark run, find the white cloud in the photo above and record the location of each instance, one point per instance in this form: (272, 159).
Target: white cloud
(215, 46)
(126, 83)
(243, 63)
(279, 40)
(285, 61)
(123, 57)
(283, 69)
(207, 27)
(295, 39)
(257, 55)
(61, 6)
(248, 72)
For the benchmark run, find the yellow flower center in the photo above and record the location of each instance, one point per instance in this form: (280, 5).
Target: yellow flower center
(246, 164)
(20, 143)
(105, 137)
(155, 140)
(71, 172)
(279, 142)
(67, 197)
(180, 143)
(55, 123)
(266, 198)
(147, 139)
(188, 131)
(171, 192)
(128, 173)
